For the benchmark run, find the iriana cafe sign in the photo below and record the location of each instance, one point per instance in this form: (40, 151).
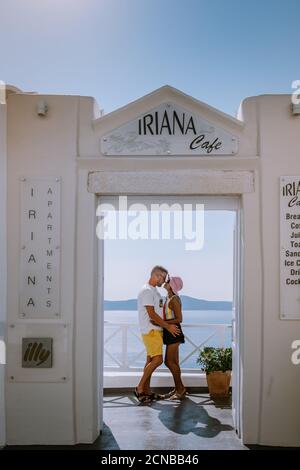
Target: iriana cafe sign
(290, 247)
(169, 130)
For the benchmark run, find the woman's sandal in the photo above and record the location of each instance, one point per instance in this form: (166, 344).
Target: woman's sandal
(154, 396)
(142, 397)
(165, 396)
(178, 396)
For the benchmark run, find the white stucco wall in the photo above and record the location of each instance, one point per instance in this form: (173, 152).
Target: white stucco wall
(42, 412)
(66, 144)
(3, 266)
(279, 149)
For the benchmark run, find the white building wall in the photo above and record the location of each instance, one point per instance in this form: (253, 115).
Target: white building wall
(42, 412)
(67, 144)
(279, 149)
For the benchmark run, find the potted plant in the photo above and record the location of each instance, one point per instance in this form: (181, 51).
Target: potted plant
(217, 363)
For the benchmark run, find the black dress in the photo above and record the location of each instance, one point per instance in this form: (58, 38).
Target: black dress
(168, 338)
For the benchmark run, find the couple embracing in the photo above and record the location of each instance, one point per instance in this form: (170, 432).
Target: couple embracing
(159, 323)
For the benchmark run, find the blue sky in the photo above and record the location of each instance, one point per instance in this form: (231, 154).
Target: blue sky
(207, 273)
(118, 50)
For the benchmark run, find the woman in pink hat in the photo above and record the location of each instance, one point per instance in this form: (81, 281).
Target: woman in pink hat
(172, 312)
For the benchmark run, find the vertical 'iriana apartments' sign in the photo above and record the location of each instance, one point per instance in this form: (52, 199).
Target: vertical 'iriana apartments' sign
(39, 295)
(290, 247)
(169, 130)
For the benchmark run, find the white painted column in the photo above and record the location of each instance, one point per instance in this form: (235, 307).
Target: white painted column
(40, 408)
(87, 341)
(251, 317)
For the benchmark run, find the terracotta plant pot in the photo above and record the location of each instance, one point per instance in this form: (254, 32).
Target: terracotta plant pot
(218, 383)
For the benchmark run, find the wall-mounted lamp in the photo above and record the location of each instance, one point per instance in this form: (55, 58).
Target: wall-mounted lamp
(295, 108)
(41, 108)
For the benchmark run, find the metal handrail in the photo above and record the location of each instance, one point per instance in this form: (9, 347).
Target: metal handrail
(124, 364)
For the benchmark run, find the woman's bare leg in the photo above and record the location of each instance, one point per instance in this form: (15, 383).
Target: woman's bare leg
(172, 362)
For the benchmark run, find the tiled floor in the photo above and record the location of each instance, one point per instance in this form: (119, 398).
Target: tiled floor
(194, 423)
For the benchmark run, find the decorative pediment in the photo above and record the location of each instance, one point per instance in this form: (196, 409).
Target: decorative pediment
(169, 129)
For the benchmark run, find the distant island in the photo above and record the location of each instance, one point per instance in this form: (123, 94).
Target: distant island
(188, 303)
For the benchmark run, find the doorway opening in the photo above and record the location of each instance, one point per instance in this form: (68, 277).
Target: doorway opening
(211, 273)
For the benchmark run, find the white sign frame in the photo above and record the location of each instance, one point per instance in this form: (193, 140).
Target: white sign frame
(289, 292)
(59, 332)
(169, 129)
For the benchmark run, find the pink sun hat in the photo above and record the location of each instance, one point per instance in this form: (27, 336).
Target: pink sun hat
(176, 284)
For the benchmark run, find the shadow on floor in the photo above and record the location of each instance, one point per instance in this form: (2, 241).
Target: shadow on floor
(188, 424)
(189, 417)
(196, 423)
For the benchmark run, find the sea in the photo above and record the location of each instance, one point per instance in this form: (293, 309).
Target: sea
(124, 349)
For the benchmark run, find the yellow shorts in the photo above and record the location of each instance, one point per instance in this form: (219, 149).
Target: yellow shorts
(153, 342)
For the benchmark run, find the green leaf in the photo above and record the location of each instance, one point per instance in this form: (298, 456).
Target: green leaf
(215, 359)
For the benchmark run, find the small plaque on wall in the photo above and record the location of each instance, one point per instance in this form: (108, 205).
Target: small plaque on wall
(37, 352)
(39, 295)
(290, 247)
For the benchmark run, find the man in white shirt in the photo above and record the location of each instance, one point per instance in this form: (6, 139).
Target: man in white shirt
(150, 308)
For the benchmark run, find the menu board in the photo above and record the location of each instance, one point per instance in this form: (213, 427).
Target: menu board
(290, 247)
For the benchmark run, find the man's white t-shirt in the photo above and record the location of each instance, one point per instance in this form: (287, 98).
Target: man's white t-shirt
(149, 295)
